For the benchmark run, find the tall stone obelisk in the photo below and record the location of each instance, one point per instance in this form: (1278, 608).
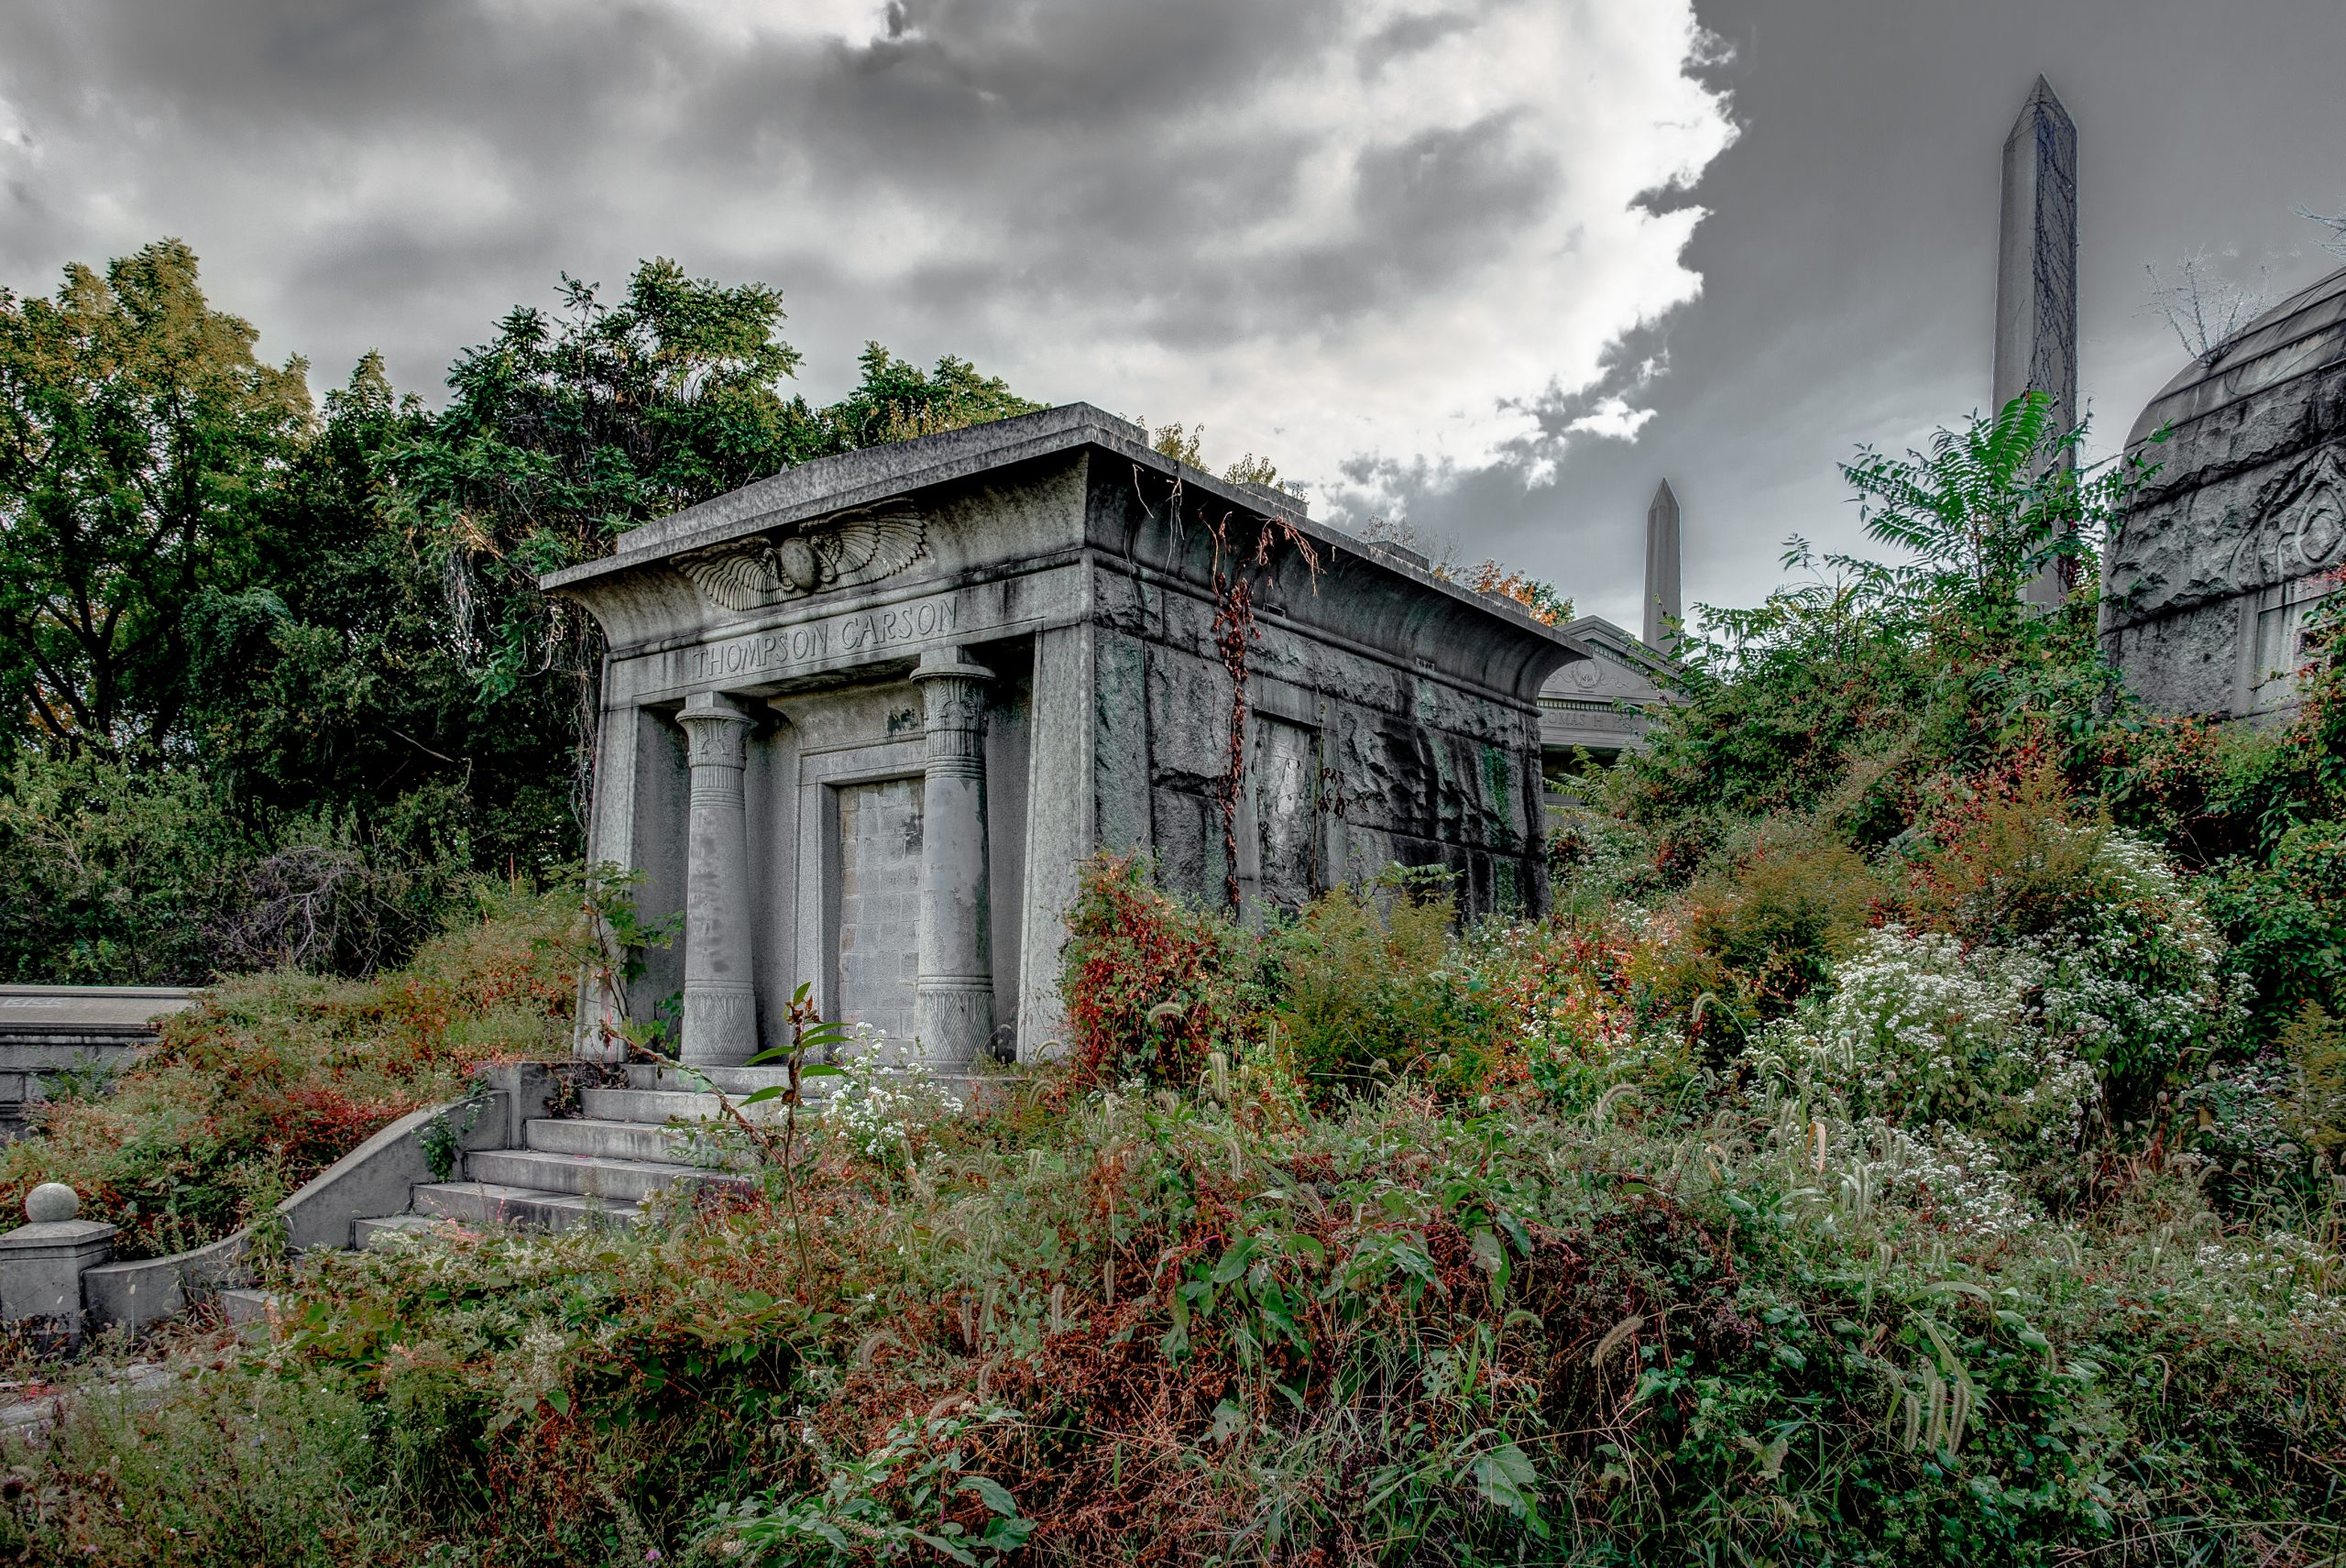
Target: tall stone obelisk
(1663, 609)
(2036, 276)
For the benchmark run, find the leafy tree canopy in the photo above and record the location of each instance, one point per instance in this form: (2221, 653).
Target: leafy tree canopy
(139, 432)
(320, 630)
(1851, 691)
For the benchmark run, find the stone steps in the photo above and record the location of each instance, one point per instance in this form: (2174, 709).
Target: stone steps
(245, 1305)
(595, 1137)
(588, 1176)
(395, 1228)
(596, 1168)
(656, 1106)
(251, 1312)
(487, 1203)
(736, 1081)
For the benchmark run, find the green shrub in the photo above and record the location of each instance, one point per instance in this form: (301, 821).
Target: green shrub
(2285, 921)
(1745, 944)
(1152, 984)
(115, 872)
(1366, 989)
(241, 1467)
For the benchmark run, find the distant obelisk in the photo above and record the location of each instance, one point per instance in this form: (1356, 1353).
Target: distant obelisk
(1662, 609)
(2036, 274)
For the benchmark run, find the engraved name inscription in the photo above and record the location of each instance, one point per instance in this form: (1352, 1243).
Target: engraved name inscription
(869, 633)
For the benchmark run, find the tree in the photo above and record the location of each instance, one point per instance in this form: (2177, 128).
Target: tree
(568, 430)
(896, 401)
(1847, 692)
(136, 427)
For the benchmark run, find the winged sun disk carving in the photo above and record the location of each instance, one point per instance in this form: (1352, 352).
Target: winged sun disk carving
(837, 552)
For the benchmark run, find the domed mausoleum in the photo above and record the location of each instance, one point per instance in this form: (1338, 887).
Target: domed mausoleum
(2207, 581)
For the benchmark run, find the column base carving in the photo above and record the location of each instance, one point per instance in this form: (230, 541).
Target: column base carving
(720, 1022)
(953, 1018)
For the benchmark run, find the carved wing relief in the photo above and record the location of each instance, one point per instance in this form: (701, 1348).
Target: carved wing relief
(734, 579)
(867, 545)
(840, 550)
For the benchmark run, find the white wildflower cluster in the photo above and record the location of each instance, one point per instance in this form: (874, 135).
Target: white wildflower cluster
(1962, 1183)
(1918, 1031)
(2136, 982)
(2283, 1277)
(886, 1100)
(1942, 1175)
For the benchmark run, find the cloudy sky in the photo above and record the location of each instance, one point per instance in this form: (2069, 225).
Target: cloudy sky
(1496, 266)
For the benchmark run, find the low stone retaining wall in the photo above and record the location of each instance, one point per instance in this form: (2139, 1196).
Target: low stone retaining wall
(56, 1277)
(48, 1032)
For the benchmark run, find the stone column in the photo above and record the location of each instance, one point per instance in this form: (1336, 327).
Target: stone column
(953, 1008)
(610, 840)
(1058, 828)
(721, 999)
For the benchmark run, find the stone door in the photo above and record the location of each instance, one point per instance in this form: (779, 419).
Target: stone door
(879, 883)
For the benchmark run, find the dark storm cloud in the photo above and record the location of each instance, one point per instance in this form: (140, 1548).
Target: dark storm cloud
(1209, 188)
(960, 106)
(1190, 202)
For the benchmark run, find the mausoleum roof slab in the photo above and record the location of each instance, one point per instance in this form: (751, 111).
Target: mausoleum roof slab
(1014, 496)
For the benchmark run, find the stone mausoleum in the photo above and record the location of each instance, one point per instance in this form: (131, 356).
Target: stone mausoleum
(2208, 578)
(862, 721)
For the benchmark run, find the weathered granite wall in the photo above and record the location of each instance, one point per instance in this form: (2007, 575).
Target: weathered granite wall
(2208, 578)
(87, 1032)
(1379, 733)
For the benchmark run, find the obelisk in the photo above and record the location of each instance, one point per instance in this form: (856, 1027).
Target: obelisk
(2036, 276)
(1662, 610)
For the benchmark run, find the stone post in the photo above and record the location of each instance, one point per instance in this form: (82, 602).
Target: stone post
(41, 1264)
(953, 1008)
(721, 999)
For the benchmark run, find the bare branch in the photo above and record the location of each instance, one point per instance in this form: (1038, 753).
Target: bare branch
(2206, 309)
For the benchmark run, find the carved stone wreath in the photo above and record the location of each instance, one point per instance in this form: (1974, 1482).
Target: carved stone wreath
(837, 552)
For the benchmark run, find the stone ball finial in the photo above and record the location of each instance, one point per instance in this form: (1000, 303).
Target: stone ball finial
(50, 1203)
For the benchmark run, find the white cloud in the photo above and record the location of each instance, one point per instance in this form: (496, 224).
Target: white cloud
(1613, 419)
(1478, 193)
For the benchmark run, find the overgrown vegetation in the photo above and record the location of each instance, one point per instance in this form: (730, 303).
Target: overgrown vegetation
(272, 1076)
(1585, 1299)
(1913, 1139)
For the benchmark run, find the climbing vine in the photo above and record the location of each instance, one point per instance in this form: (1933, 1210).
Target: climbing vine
(1235, 630)
(1231, 580)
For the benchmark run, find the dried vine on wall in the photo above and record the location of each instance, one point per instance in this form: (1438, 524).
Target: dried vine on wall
(1235, 630)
